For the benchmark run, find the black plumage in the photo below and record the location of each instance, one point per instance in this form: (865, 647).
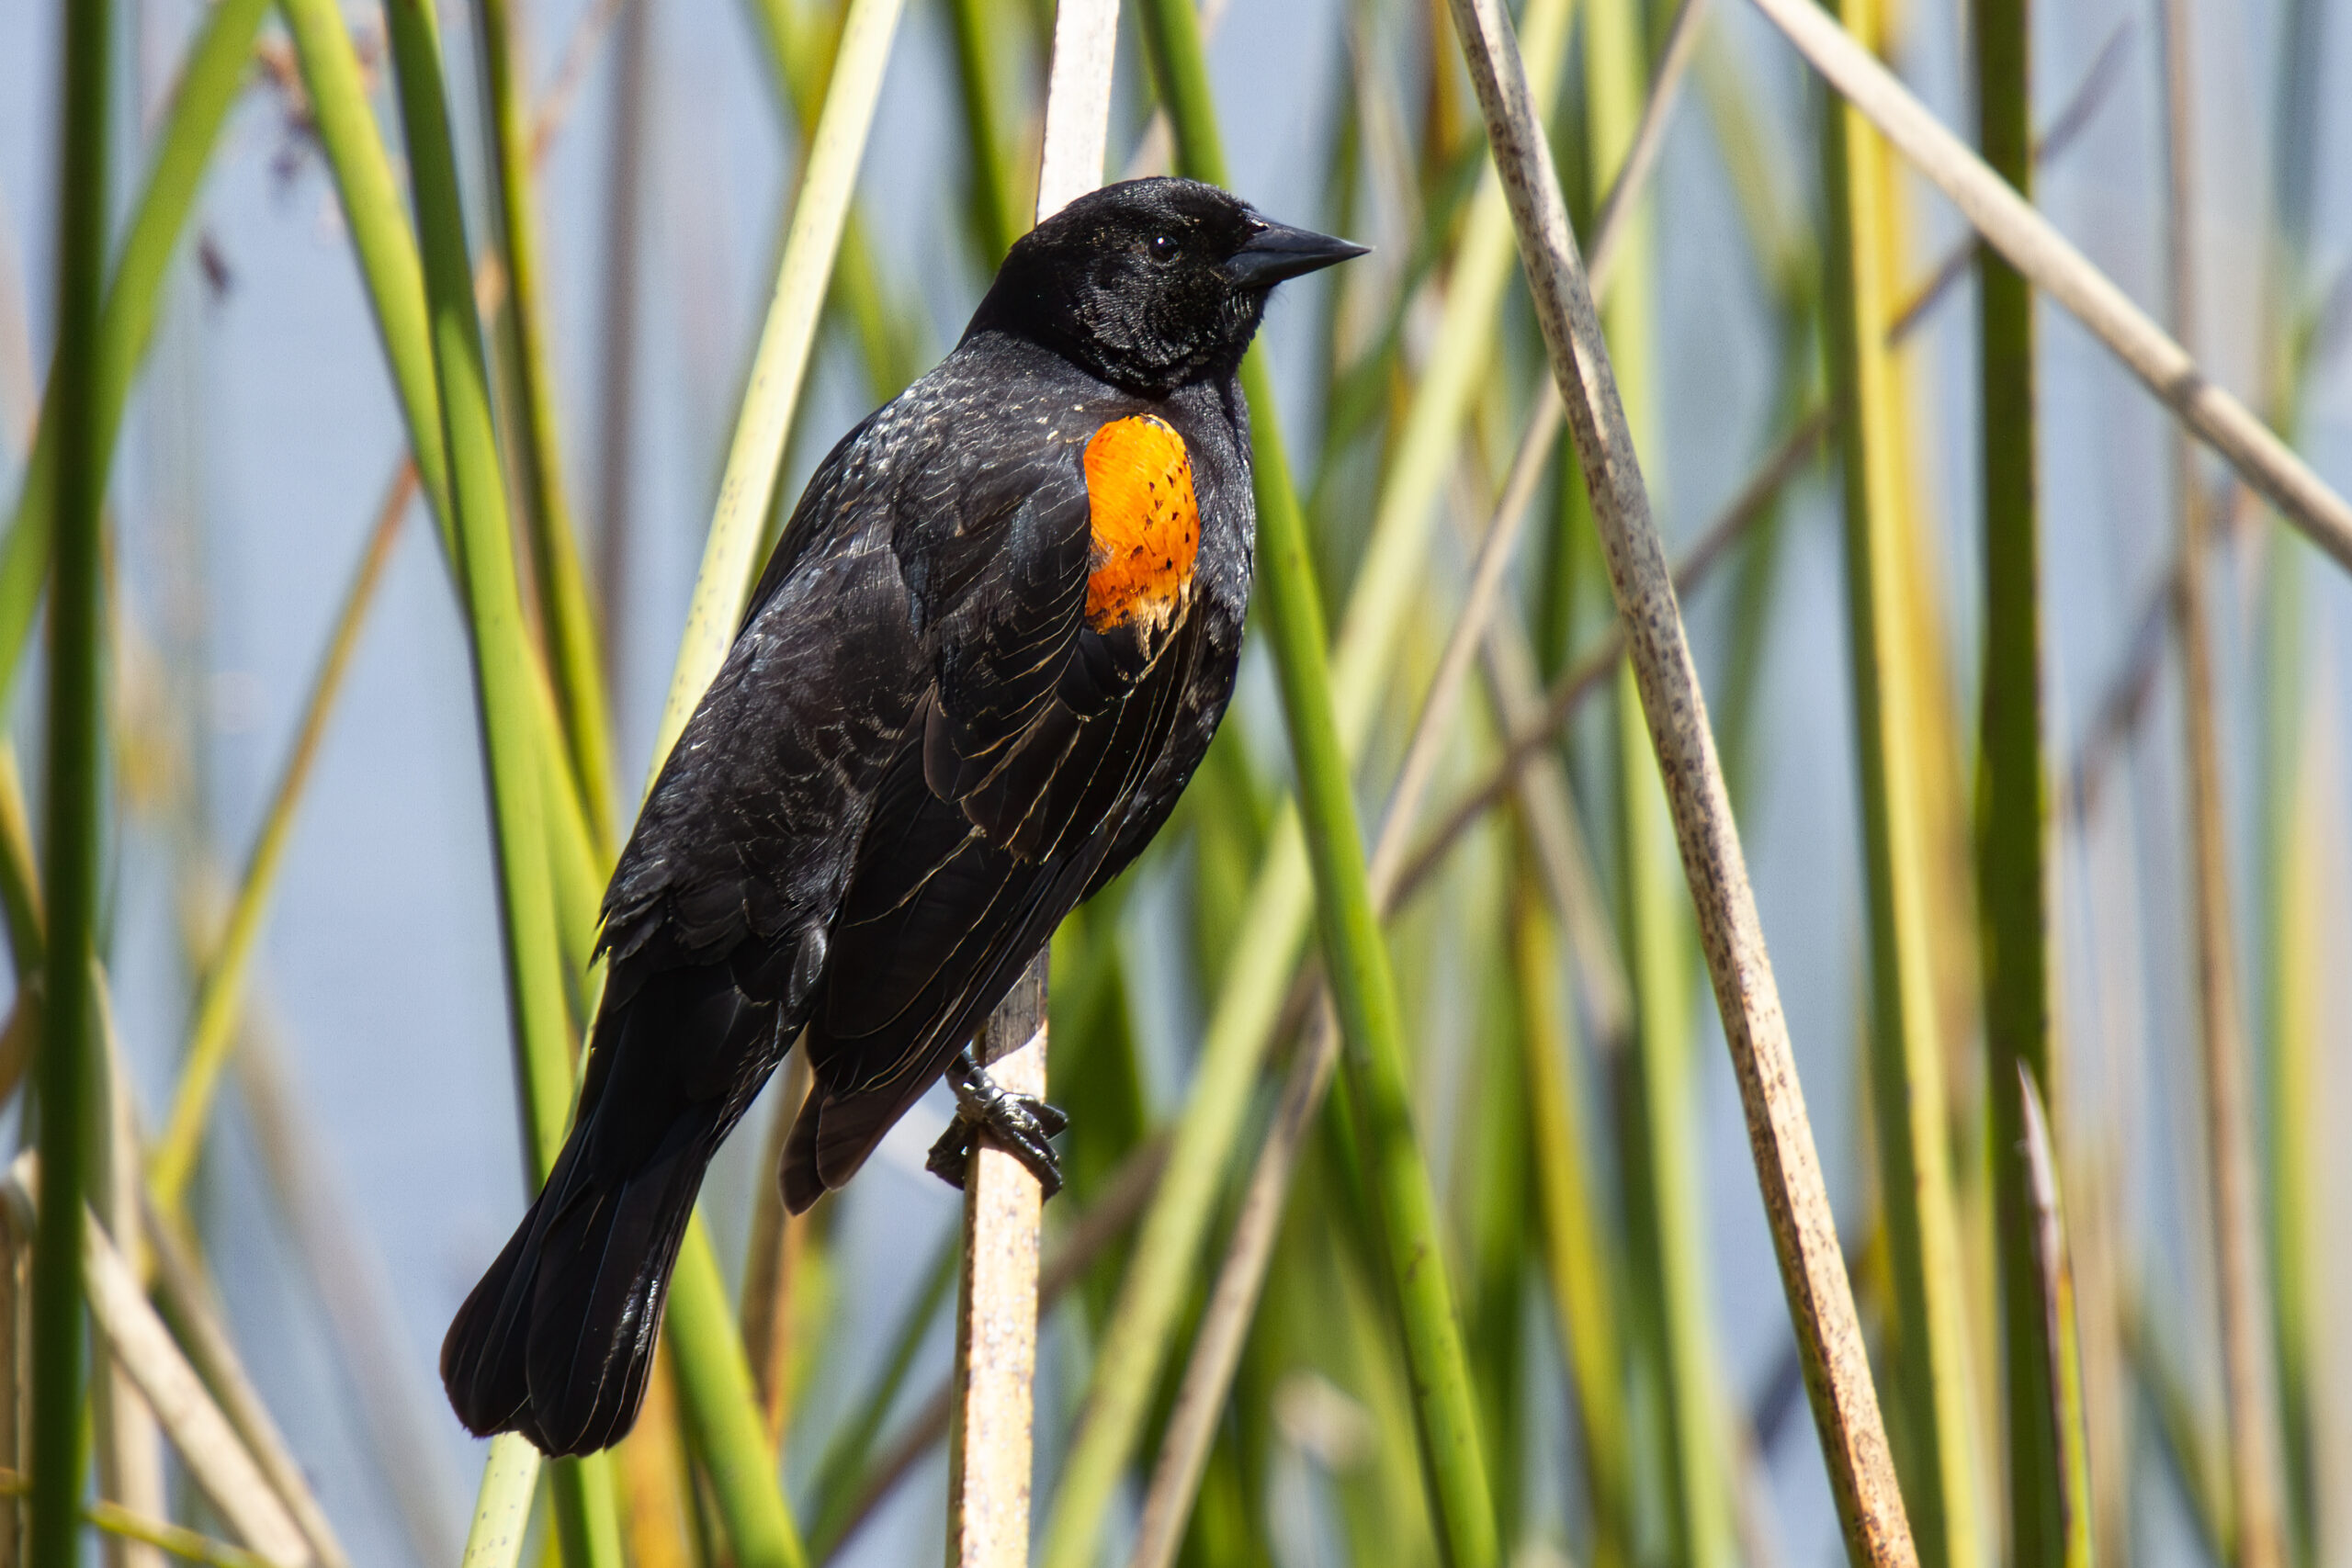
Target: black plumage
(922, 751)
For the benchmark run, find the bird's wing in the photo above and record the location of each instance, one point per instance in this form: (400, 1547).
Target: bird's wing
(989, 823)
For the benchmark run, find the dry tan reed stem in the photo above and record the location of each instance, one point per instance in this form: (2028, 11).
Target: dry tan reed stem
(2052, 264)
(2248, 1361)
(1796, 1202)
(989, 1441)
(180, 1286)
(205, 1441)
(129, 1445)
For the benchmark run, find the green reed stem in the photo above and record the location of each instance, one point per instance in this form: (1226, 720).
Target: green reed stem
(68, 1068)
(722, 1406)
(1666, 1171)
(1271, 930)
(515, 739)
(999, 215)
(1906, 1054)
(210, 80)
(2013, 869)
(1581, 1261)
(1354, 955)
(568, 624)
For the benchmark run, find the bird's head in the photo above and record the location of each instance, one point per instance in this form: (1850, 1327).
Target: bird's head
(1151, 283)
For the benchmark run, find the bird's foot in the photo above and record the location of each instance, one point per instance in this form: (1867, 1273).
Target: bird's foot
(1021, 1122)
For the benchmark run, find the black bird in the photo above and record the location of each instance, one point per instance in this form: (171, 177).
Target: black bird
(992, 646)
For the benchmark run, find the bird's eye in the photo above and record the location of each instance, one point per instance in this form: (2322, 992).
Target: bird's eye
(1163, 248)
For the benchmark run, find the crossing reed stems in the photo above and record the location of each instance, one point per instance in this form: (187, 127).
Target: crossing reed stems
(1796, 1203)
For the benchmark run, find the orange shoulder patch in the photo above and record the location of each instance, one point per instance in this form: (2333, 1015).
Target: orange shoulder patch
(1147, 523)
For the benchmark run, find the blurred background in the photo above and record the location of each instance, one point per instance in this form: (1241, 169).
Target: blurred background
(363, 1162)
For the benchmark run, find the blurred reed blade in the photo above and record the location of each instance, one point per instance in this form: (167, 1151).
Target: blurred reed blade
(844, 1462)
(68, 1067)
(2013, 834)
(1892, 696)
(2054, 266)
(1796, 1202)
(997, 211)
(401, 1402)
(1666, 1218)
(1233, 1300)
(567, 623)
(2249, 1364)
(1751, 507)
(2069, 1441)
(1273, 923)
(221, 993)
(210, 80)
(2188, 1445)
(1537, 732)
(1581, 1260)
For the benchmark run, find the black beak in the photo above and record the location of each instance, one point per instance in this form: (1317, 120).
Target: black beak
(1277, 251)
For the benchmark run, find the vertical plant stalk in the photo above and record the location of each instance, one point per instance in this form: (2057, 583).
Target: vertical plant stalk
(1355, 955)
(566, 623)
(129, 1444)
(617, 424)
(1796, 1202)
(2060, 1340)
(1273, 925)
(995, 209)
(516, 744)
(67, 1067)
(1233, 1301)
(1580, 1258)
(2248, 1359)
(1907, 1053)
(2013, 867)
(990, 1436)
(771, 1264)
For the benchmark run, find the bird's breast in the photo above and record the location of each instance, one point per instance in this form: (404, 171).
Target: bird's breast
(1147, 524)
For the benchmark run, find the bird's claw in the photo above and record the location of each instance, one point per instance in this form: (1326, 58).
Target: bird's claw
(1021, 1122)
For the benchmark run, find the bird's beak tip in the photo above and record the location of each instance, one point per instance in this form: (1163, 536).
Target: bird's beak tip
(1278, 251)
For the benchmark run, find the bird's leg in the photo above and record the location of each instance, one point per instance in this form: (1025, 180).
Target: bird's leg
(1023, 1122)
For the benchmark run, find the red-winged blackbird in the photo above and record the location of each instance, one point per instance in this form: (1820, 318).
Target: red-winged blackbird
(992, 646)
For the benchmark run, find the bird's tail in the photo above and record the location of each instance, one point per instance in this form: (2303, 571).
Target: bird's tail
(557, 1339)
